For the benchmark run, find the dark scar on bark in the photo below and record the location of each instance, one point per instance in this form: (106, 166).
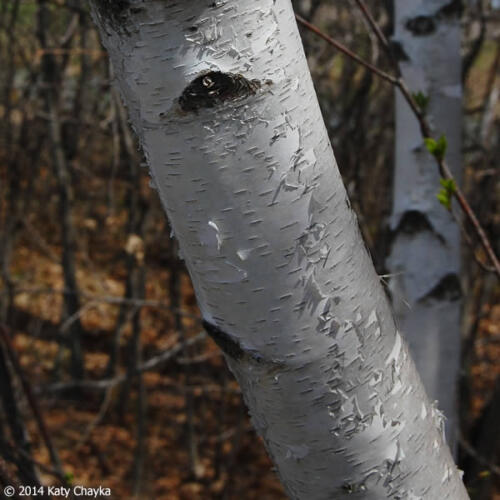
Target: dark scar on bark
(398, 51)
(448, 289)
(213, 88)
(421, 25)
(425, 25)
(413, 222)
(227, 343)
(452, 9)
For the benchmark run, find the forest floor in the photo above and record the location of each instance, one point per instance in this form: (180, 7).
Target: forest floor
(97, 438)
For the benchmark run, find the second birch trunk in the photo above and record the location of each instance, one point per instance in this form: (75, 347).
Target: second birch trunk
(425, 255)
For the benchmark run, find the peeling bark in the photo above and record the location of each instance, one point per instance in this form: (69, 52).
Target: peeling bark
(282, 277)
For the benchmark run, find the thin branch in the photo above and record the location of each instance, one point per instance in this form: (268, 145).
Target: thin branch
(470, 450)
(345, 50)
(33, 403)
(43, 467)
(425, 128)
(6, 478)
(108, 299)
(426, 133)
(471, 246)
(148, 365)
(97, 420)
(471, 56)
(474, 221)
(374, 26)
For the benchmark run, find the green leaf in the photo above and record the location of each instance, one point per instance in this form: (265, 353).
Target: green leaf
(448, 184)
(442, 146)
(436, 148)
(445, 194)
(69, 476)
(430, 144)
(444, 199)
(422, 101)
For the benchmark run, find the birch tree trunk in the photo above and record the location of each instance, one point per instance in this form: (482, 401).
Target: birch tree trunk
(425, 255)
(220, 95)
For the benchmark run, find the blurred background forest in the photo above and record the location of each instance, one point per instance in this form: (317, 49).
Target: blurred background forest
(106, 377)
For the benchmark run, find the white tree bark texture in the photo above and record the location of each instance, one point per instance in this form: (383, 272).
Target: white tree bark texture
(425, 255)
(221, 98)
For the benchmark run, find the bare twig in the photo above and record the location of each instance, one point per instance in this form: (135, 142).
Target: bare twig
(50, 74)
(33, 403)
(470, 244)
(148, 365)
(345, 50)
(43, 467)
(471, 56)
(97, 420)
(108, 299)
(176, 299)
(6, 478)
(13, 418)
(374, 26)
(425, 128)
(470, 450)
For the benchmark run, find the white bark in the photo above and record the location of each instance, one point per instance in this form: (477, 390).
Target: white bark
(281, 274)
(425, 254)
